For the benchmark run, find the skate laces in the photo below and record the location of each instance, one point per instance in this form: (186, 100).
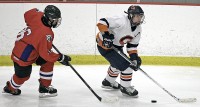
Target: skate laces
(115, 84)
(130, 89)
(50, 88)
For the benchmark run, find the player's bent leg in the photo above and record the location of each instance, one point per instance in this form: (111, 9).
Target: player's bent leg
(22, 74)
(125, 81)
(8, 89)
(49, 91)
(14, 84)
(45, 87)
(129, 91)
(106, 84)
(117, 63)
(109, 82)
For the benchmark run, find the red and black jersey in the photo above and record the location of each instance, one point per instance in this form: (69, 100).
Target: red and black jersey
(33, 41)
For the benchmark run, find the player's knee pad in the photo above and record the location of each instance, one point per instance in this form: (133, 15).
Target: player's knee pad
(22, 71)
(40, 61)
(47, 67)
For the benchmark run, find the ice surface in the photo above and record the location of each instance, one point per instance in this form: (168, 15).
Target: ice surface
(183, 82)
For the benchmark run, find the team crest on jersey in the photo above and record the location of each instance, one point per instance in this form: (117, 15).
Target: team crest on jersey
(125, 39)
(49, 38)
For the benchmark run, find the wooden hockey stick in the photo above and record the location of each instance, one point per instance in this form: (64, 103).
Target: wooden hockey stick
(182, 100)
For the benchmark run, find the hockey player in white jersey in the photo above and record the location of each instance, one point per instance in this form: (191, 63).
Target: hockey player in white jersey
(120, 31)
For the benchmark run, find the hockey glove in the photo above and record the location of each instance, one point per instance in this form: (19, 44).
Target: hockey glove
(136, 61)
(107, 39)
(64, 59)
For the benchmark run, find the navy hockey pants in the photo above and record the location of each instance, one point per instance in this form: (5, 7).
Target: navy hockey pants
(115, 60)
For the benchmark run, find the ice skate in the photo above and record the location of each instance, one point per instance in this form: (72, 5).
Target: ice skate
(129, 91)
(106, 84)
(13, 92)
(47, 91)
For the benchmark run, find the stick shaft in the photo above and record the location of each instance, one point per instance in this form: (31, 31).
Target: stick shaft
(97, 96)
(125, 57)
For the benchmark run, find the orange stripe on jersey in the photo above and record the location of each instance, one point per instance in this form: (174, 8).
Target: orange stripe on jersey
(102, 28)
(131, 52)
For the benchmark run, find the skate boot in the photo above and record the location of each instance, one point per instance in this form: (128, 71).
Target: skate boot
(13, 92)
(106, 84)
(47, 91)
(129, 91)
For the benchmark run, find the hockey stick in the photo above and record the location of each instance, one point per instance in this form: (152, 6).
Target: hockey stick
(113, 99)
(181, 100)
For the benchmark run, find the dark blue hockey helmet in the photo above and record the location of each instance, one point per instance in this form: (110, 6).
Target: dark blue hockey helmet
(133, 11)
(53, 16)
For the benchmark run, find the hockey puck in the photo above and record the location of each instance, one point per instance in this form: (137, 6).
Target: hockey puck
(153, 101)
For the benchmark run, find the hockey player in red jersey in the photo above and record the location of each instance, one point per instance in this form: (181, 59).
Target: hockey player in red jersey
(33, 45)
(117, 31)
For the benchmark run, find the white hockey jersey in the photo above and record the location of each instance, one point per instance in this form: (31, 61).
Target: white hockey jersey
(120, 27)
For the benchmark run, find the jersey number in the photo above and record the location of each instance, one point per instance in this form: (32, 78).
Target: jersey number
(24, 32)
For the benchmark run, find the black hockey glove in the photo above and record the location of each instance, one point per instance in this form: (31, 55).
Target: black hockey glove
(107, 39)
(64, 59)
(136, 61)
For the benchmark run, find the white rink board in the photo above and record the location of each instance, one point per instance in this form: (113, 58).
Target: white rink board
(169, 30)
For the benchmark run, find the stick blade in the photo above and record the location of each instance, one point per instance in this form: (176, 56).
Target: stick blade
(187, 100)
(110, 99)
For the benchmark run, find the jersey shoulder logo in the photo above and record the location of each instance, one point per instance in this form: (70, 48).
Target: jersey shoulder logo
(49, 38)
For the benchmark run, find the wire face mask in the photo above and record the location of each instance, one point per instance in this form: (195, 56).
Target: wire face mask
(53, 16)
(135, 15)
(137, 19)
(55, 22)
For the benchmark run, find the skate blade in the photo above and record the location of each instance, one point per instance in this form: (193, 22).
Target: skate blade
(108, 87)
(135, 96)
(45, 95)
(4, 92)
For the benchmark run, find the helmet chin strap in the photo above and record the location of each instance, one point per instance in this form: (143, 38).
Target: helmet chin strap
(53, 25)
(130, 17)
(132, 23)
